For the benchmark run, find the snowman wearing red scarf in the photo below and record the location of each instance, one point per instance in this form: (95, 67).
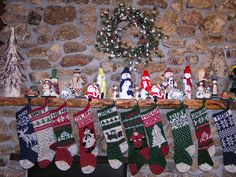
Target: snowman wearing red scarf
(187, 82)
(145, 84)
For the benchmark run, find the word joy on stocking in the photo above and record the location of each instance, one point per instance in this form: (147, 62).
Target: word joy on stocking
(120, 103)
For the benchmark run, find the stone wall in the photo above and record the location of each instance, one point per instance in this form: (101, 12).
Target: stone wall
(61, 34)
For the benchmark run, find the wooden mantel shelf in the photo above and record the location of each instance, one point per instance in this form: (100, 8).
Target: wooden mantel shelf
(120, 103)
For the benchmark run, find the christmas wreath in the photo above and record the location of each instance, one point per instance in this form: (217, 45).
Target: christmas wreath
(109, 38)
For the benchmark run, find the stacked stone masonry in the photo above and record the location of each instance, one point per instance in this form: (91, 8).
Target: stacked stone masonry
(62, 33)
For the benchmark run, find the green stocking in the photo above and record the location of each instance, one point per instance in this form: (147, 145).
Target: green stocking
(183, 143)
(139, 152)
(114, 135)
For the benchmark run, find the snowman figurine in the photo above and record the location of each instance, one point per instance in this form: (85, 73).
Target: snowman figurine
(169, 78)
(187, 82)
(145, 84)
(169, 82)
(126, 85)
(47, 88)
(200, 90)
(201, 85)
(88, 140)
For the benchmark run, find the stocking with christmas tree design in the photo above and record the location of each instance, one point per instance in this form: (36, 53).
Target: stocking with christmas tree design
(112, 130)
(227, 133)
(66, 147)
(206, 148)
(88, 149)
(156, 139)
(42, 124)
(27, 138)
(183, 143)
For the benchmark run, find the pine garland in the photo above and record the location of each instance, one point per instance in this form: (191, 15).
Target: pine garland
(109, 39)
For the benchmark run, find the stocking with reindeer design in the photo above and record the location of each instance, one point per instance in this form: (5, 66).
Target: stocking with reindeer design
(27, 138)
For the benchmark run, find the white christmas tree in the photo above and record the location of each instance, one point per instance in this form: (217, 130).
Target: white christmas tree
(158, 139)
(12, 75)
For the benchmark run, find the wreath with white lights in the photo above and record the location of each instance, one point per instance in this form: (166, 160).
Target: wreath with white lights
(109, 38)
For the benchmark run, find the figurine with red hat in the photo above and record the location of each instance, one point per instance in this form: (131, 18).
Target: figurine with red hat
(92, 91)
(137, 139)
(187, 81)
(145, 84)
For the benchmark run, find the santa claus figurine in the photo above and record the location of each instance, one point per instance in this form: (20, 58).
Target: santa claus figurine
(92, 91)
(157, 92)
(187, 82)
(145, 84)
(126, 85)
(137, 139)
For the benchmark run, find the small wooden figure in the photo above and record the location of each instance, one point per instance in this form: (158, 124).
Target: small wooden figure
(92, 91)
(76, 83)
(214, 88)
(126, 85)
(101, 81)
(137, 94)
(115, 92)
(55, 92)
(145, 84)
(187, 81)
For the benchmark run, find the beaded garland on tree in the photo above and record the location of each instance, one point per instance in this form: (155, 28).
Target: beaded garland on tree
(109, 39)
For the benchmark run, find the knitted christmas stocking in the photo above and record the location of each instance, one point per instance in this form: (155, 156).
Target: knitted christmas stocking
(206, 148)
(66, 147)
(156, 139)
(139, 152)
(27, 138)
(88, 149)
(183, 143)
(227, 133)
(153, 126)
(42, 124)
(112, 130)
